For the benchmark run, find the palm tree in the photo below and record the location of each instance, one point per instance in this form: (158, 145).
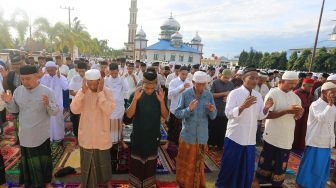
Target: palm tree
(19, 21)
(5, 36)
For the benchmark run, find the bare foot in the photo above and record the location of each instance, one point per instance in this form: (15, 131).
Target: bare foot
(165, 146)
(124, 145)
(255, 184)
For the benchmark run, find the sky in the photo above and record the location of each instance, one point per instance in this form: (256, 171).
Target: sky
(226, 26)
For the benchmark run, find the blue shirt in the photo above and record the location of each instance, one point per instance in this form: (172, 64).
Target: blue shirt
(195, 123)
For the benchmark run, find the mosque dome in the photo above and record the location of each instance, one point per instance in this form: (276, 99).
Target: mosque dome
(171, 24)
(140, 34)
(197, 38)
(169, 27)
(177, 35)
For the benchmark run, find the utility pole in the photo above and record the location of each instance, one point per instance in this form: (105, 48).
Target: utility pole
(69, 11)
(316, 37)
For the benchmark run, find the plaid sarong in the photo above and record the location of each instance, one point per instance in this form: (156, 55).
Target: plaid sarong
(2, 171)
(95, 167)
(36, 165)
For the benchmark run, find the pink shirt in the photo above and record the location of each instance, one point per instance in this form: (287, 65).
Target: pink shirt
(94, 130)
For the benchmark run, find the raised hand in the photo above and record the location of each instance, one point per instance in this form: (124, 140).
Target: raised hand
(269, 103)
(193, 104)
(100, 85)
(137, 94)
(45, 99)
(3, 72)
(330, 98)
(7, 96)
(251, 100)
(160, 96)
(186, 85)
(84, 86)
(210, 107)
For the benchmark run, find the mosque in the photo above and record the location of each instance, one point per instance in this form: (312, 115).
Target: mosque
(170, 47)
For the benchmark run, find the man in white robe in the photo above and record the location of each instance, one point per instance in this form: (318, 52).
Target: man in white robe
(118, 86)
(57, 83)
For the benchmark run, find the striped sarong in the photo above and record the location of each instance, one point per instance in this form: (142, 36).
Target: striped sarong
(95, 167)
(143, 171)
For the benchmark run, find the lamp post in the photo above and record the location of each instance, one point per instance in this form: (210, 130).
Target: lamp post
(316, 37)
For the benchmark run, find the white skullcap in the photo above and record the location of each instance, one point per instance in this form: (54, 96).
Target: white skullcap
(328, 85)
(200, 77)
(92, 74)
(50, 64)
(331, 77)
(240, 72)
(290, 75)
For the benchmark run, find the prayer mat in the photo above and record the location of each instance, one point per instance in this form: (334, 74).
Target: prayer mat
(215, 156)
(123, 184)
(171, 153)
(127, 130)
(12, 157)
(119, 165)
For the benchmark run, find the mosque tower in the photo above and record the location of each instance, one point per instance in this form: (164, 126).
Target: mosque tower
(132, 28)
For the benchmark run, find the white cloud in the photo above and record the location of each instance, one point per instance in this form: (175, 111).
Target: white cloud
(216, 20)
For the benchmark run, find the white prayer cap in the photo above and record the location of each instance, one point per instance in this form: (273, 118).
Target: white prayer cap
(290, 75)
(328, 85)
(200, 77)
(240, 72)
(331, 77)
(50, 64)
(92, 74)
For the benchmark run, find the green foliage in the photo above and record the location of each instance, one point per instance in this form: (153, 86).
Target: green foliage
(53, 38)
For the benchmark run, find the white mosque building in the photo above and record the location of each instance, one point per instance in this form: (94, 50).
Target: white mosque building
(170, 47)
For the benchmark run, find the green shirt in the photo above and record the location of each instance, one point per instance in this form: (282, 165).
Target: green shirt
(145, 137)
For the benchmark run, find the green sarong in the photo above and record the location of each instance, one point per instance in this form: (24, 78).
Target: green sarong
(36, 165)
(96, 167)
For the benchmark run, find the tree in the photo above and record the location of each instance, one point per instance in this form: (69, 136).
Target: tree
(243, 58)
(302, 62)
(319, 63)
(5, 36)
(19, 21)
(292, 60)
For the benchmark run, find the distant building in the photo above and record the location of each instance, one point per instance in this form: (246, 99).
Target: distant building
(170, 47)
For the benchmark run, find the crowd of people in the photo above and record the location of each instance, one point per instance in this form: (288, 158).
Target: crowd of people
(205, 107)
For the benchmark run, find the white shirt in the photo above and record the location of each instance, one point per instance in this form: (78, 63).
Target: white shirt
(263, 90)
(71, 74)
(140, 75)
(190, 77)
(2, 103)
(76, 84)
(131, 84)
(175, 86)
(64, 69)
(320, 125)
(57, 85)
(279, 132)
(170, 77)
(122, 70)
(242, 128)
(118, 87)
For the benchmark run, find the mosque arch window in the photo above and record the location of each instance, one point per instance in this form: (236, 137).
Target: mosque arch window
(156, 56)
(181, 58)
(190, 59)
(172, 57)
